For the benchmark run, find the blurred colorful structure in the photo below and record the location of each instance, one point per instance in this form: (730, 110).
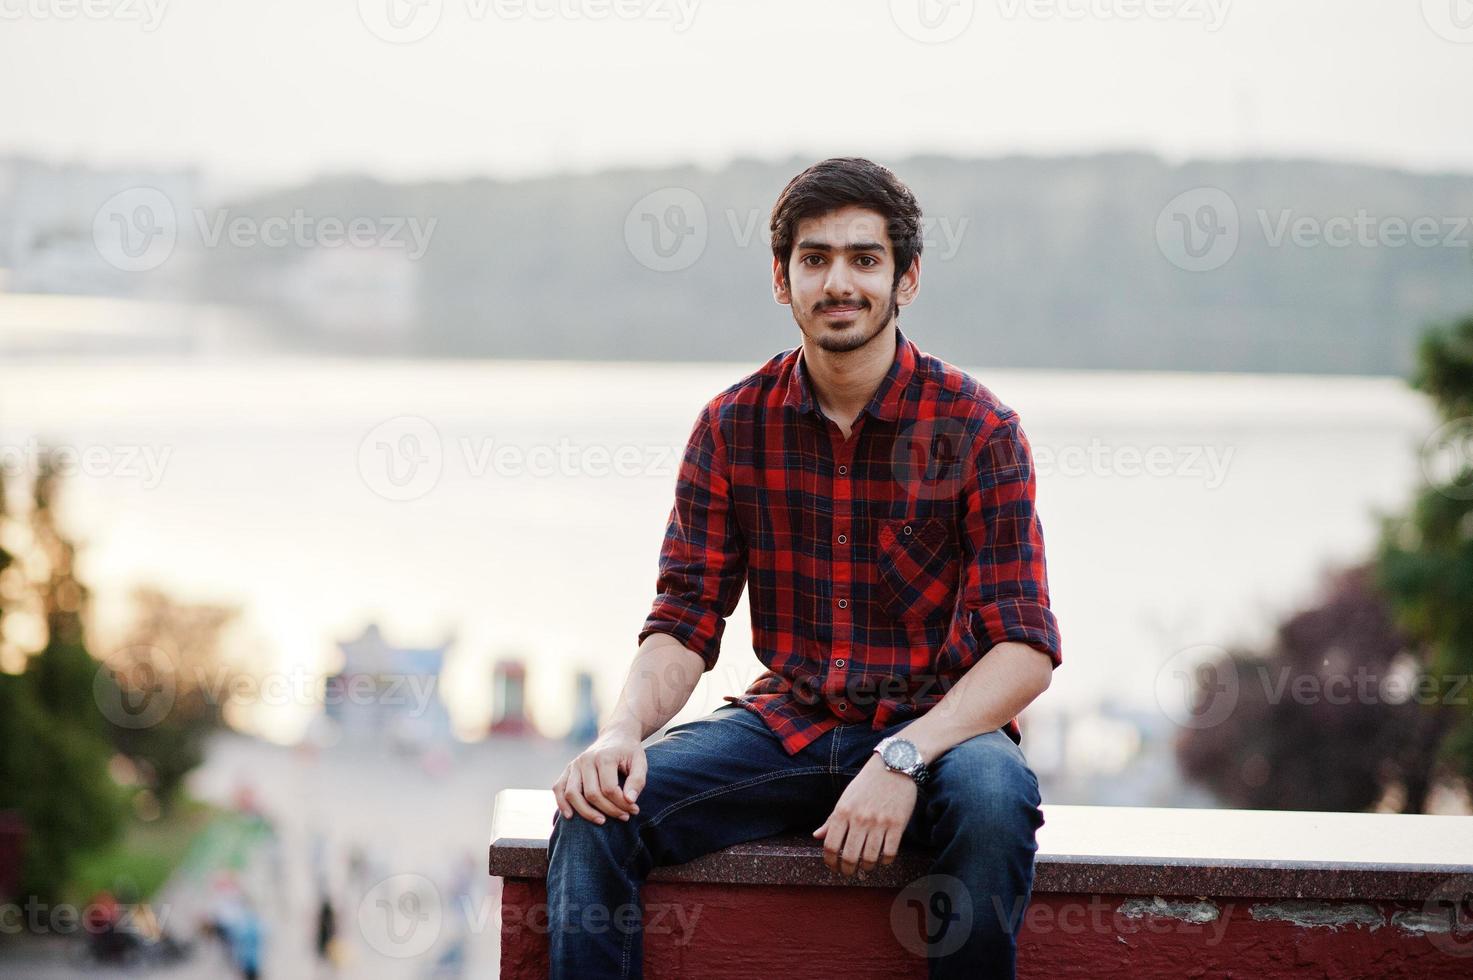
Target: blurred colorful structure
(388, 693)
(585, 710)
(509, 700)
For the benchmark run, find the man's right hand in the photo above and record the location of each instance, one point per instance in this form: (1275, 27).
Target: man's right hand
(589, 786)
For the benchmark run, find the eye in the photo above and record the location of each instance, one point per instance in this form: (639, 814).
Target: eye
(805, 259)
(868, 261)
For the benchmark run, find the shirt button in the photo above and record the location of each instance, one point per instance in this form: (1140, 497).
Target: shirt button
(843, 603)
(906, 529)
(843, 539)
(839, 662)
(843, 470)
(843, 705)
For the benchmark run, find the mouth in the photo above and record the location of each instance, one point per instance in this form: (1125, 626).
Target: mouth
(840, 312)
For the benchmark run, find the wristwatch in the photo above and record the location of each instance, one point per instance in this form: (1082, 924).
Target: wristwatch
(900, 755)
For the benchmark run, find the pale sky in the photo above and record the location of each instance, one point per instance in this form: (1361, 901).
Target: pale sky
(264, 91)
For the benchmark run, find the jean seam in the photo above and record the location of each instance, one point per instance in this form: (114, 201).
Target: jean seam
(639, 847)
(834, 757)
(719, 790)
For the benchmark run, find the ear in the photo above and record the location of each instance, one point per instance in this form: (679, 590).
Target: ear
(909, 284)
(780, 290)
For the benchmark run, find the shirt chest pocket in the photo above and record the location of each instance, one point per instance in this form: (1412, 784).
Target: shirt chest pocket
(918, 567)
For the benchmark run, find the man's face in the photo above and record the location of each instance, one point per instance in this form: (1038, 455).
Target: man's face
(840, 278)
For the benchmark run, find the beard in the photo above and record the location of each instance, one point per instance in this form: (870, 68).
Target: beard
(852, 336)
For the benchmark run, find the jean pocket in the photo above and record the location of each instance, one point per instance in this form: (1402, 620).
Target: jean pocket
(918, 567)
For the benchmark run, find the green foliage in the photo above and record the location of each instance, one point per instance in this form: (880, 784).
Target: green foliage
(1425, 558)
(54, 750)
(53, 771)
(142, 859)
(172, 651)
(1409, 611)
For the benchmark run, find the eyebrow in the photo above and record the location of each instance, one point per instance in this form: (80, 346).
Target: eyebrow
(814, 246)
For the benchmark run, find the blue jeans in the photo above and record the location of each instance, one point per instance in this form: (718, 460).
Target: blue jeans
(724, 779)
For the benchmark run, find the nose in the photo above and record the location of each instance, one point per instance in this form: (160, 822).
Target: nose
(839, 283)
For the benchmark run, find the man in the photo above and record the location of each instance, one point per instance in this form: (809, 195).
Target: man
(879, 505)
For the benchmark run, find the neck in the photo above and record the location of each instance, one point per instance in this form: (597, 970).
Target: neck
(845, 381)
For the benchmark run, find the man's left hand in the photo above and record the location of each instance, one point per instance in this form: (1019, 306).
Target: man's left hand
(871, 815)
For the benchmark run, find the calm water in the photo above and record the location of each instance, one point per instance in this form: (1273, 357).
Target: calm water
(518, 507)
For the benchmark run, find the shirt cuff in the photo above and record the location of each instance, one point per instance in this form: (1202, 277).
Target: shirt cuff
(698, 630)
(1021, 621)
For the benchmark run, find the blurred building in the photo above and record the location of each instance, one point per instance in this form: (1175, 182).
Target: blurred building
(1108, 754)
(509, 700)
(585, 710)
(385, 693)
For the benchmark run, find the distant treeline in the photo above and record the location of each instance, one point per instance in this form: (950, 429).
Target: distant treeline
(1107, 261)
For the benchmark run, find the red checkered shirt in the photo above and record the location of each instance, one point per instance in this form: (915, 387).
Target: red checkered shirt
(881, 567)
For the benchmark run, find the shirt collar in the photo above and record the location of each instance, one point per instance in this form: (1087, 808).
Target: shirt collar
(884, 404)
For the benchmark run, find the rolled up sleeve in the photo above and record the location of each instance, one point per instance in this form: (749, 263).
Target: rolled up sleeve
(1006, 578)
(703, 565)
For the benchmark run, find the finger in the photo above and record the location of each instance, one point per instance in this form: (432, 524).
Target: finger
(593, 792)
(607, 767)
(853, 847)
(559, 793)
(871, 853)
(832, 844)
(819, 833)
(634, 782)
(891, 849)
(575, 797)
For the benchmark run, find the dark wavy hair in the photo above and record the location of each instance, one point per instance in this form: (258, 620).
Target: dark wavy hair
(836, 183)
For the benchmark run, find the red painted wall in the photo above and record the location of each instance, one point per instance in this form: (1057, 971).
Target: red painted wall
(716, 931)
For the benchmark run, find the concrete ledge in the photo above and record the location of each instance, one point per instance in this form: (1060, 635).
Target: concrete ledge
(1087, 849)
(1119, 891)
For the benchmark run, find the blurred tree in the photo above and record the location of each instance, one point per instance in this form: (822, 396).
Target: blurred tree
(53, 753)
(1326, 719)
(1365, 697)
(170, 672)
(1426, 557)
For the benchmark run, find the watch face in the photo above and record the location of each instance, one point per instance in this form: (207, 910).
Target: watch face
(900, 754)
